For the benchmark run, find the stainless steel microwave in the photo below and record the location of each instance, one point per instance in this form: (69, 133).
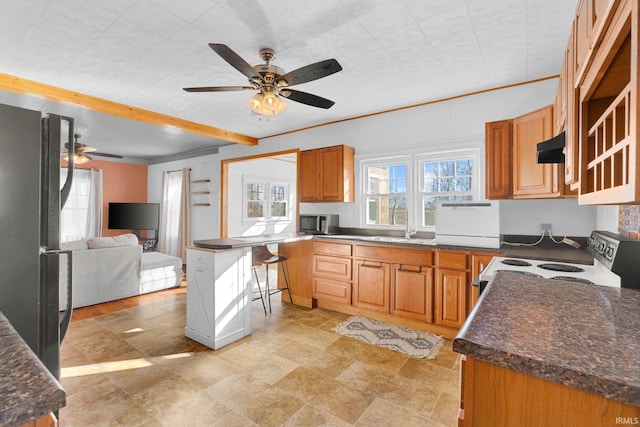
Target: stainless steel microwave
(319, 224)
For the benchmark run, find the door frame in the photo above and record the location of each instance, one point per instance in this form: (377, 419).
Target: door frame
(224, 184)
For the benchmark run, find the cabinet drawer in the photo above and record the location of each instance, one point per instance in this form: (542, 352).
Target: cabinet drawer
(395, 254)
(455, 260)
(200, 257)
(332, 290)
(324, 265)
(330, 248)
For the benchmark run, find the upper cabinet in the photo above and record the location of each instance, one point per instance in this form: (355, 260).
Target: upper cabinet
(512, 171)
(326, 174)
(608, 110)
(531, 179)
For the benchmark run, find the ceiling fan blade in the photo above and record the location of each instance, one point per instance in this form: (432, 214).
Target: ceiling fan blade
(216, 88)
(85, 149)
(234, 60)
(115, 156)
(310, 72)
(307, 98)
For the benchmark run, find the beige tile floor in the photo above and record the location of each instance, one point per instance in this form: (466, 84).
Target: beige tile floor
(135, 367)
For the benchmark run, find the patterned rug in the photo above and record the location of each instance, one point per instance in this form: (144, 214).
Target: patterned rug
(422, 345)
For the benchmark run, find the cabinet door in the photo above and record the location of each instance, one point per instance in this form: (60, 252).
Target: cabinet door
(478, 262)
(332, 290)
(200, 299)
(571, 158)
(371, 286)
(530, 178)
(451, 297)
(331, 185)
(412, 294)
(309, 176)
(498, 159)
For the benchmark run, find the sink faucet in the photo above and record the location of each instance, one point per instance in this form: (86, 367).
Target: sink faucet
(408, 232)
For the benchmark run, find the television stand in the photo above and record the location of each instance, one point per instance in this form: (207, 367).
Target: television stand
(148, 244)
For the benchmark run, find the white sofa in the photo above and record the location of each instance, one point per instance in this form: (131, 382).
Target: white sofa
(110, 268)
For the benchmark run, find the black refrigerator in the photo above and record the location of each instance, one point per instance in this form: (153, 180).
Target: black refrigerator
(30, 204)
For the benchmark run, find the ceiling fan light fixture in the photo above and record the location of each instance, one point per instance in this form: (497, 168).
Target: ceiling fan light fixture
(266, 103)
(78, 159)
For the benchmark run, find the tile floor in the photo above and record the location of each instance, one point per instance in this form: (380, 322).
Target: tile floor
(134, 367)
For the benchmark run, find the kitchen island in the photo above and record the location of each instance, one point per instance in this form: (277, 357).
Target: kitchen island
(28, 391)
(545, 352)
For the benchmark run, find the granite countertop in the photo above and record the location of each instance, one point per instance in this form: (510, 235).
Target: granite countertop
(579, 335)
(27, 390)
(248, 241)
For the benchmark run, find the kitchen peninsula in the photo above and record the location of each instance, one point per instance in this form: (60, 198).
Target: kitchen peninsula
(550, 353)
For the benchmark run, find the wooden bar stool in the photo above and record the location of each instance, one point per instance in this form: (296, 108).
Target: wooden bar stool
(261, 255)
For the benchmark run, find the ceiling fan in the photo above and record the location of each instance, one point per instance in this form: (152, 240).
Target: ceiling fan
(80, 155)
(271, 81)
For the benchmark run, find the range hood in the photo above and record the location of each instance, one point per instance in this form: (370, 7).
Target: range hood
(551, 150)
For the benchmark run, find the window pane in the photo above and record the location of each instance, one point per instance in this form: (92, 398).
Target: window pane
(386, 210)
(447, 176)
(278, 209)
(255, 191)
(387, 179)
(255, 209)
(278, 192)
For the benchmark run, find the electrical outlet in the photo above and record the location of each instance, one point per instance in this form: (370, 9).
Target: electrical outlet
(546, 228)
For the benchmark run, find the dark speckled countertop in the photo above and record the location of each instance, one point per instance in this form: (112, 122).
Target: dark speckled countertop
(27, 389)
(584, 336)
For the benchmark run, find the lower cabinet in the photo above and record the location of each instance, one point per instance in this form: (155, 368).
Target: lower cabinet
(331, 272)
(451, 297)
(479, 261)
(371, 285)
(412, 292)
(218, 299)
(48, 420)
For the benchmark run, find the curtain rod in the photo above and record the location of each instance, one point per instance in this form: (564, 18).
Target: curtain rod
(179, 170)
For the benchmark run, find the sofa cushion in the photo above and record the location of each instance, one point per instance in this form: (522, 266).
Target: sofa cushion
(76, 245)
(112, 242)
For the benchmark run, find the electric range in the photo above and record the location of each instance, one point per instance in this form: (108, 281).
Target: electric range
(615, 264)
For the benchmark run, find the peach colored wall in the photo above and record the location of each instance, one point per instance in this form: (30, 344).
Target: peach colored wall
(121, 182)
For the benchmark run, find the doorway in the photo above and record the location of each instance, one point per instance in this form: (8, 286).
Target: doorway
(259, 194)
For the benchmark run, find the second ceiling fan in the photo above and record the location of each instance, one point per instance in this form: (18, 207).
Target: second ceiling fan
(271, 81)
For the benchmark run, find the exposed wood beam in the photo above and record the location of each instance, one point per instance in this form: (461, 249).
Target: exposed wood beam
(19, 85)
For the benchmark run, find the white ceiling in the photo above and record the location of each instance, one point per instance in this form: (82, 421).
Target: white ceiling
(394, 53)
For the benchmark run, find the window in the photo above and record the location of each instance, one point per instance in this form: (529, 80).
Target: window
(81, 217)
(444, 180)
(386, 196)
(401, 191)
(265, 200)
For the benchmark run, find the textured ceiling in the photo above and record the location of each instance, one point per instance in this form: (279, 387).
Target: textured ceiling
(394, 53)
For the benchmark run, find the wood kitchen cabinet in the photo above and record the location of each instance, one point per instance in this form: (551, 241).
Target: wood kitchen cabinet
(530, 179)
(479, 261)
(48, 420)
(498, 159)
(332, 272)
(452, 277)
(298, 271)
(412, 292)
(326, 174)
(516, 399)
(371, 288)
(609, 109)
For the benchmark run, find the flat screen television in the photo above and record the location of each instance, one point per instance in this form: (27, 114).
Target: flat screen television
(134, 216)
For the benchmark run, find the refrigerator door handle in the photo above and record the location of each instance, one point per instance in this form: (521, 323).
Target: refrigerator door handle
(66, 318)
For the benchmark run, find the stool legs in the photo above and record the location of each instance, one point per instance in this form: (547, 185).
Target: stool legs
(277, 290)
(255, 272)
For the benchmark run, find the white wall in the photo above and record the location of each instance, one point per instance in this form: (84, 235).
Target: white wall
(444, 124)
(205, 220)
(262, 168)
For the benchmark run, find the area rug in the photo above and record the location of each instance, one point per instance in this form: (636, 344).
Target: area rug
(422, 345)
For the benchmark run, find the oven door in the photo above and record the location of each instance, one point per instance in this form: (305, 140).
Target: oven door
(309, 224)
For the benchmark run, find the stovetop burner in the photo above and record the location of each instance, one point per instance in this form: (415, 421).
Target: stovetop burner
(526, 273)
(516, 262)
(561, 267)
(573, 279)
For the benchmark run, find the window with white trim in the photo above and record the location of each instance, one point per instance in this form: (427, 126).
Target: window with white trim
(386, 194)
(266, 200)
(397, 190)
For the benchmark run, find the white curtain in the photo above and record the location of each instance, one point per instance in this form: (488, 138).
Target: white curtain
(81, 217)
(175, 215)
